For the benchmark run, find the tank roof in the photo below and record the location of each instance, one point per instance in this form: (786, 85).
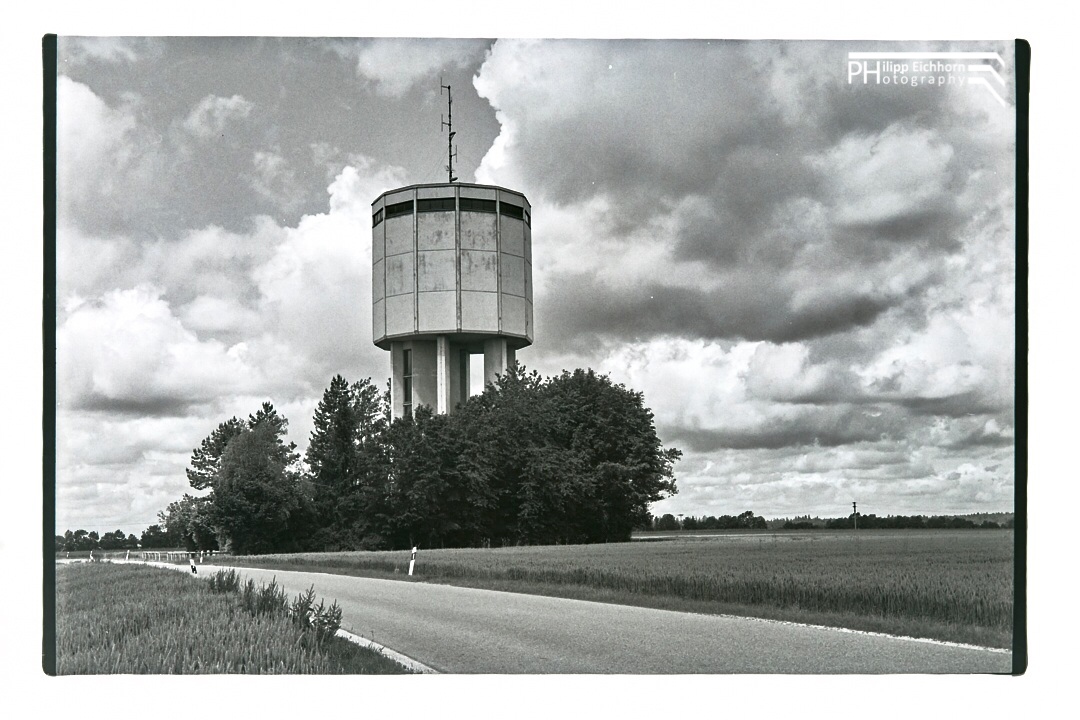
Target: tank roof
(448, 185)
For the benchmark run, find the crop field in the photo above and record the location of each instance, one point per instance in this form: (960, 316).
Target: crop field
(948, 584)
(113, 618)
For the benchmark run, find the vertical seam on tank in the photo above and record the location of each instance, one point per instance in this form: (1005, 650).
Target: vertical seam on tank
(416, 263)
(457, 259)
(498, 260)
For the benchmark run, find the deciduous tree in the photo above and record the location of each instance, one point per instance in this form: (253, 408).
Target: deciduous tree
(257, 501)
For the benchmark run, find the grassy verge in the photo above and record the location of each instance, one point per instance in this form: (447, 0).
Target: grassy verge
(143, 620)
(945, 585)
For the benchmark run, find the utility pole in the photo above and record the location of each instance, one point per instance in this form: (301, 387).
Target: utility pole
(855, 514)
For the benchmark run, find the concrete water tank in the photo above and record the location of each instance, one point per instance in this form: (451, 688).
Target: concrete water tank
(451, 278)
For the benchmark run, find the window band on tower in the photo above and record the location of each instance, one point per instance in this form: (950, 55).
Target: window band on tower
(513, 211)
(398, 209)
(435, 205)
(477, 205)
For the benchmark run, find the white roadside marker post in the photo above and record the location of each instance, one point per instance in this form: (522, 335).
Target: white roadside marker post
(191, 559)
(412, 561)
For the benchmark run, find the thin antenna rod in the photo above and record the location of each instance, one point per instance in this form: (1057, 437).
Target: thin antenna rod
(451, 150)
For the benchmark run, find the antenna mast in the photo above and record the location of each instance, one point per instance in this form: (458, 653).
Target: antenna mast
(451, 150)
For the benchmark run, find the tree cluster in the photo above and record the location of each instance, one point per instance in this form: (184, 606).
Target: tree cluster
(570, 459)
(83, 540)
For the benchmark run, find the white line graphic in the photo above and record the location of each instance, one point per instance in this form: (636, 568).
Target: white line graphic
(986, 84)
(988, 69)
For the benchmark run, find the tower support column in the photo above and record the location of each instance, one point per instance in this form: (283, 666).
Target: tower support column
(497, 358)
(442, 371)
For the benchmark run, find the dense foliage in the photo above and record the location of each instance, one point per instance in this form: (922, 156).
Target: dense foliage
(570, 459)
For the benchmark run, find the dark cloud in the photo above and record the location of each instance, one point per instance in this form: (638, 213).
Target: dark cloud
(160, 179)
(962, 404)
(742, 308)
(783, 435)
(156, 406)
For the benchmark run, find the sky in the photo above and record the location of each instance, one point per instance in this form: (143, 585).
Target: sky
(810, 281)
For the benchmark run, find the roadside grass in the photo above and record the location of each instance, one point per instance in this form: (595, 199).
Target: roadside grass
(946, 585)
(134, 619)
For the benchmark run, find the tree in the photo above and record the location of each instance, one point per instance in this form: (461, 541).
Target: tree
(667, 522)
(155, 537)
(81, 540)
(188, 523)
(435, 495)
(113, 541)
(278, 427)
(346, 459)
(206, 459)
(611, 433)
(571, 459)
(255, 495)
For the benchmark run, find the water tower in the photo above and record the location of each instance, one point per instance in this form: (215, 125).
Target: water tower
(451, 278)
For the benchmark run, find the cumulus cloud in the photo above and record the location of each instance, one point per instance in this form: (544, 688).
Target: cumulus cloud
(146, 371)
(81, 50)
(94, 145)
(827, 271)
(810, 282)
(128, 353)
(275, 179)
(747, 204)
(213, 113)
(394, 65)
(316, 288)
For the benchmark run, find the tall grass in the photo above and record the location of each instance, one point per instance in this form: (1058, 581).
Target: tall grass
(948, 577)
(137, 619)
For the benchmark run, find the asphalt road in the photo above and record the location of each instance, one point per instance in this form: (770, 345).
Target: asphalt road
(466, 630)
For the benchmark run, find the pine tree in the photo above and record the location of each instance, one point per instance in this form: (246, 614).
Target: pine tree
(345, 460)
(278, 427)
(206, 459)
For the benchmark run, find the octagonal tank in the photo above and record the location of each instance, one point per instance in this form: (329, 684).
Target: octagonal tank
(451, 277)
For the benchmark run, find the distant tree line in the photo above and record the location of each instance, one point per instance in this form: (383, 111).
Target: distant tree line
(893, 522)
(744, 521)
(83, 540)
(569, 459)
(748, 521)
